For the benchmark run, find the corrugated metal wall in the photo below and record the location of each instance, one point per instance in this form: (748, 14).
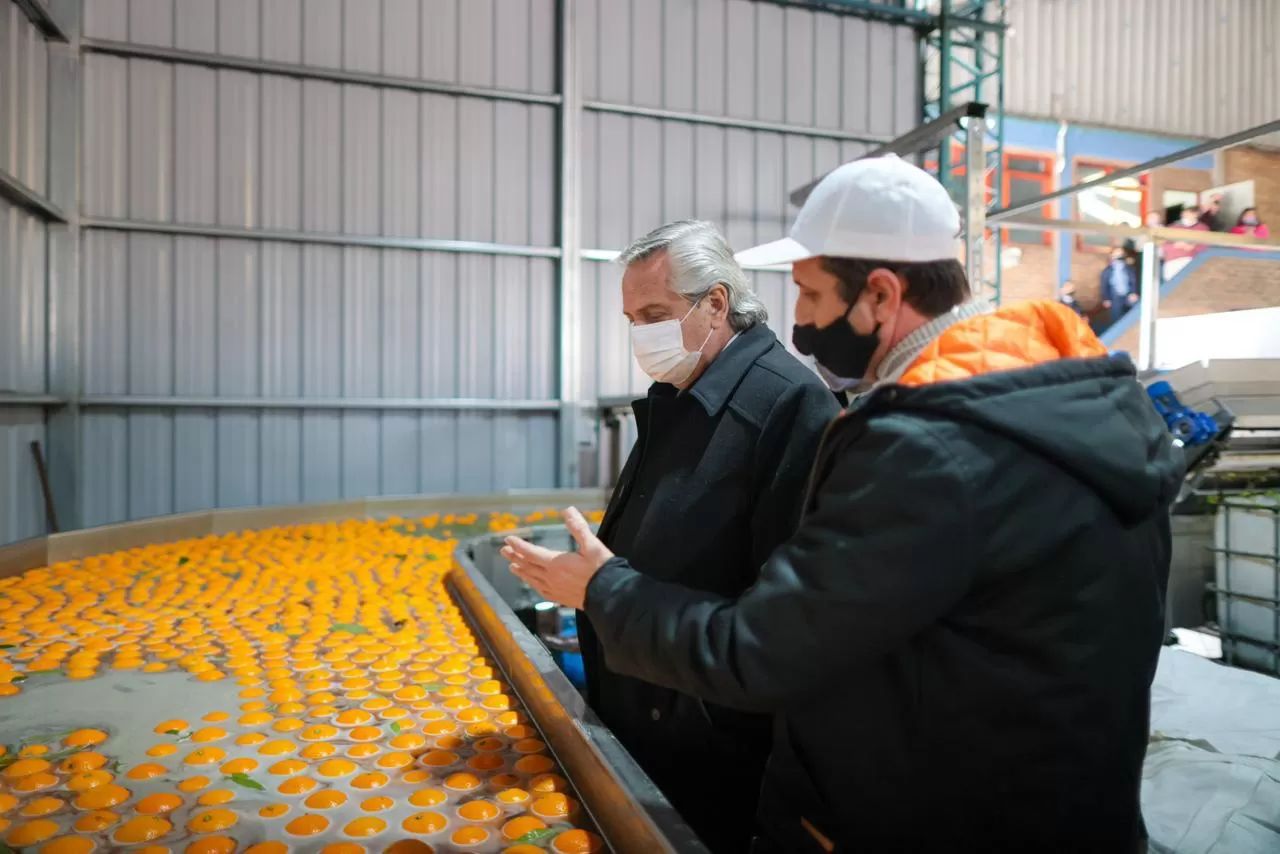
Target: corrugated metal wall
(744, 60)
(23, 151)
(1192, 67)
(199, 317)
(176, 143)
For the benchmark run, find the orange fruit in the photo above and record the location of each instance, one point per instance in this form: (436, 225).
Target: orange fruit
(425, 823)
(143, 828)
(520, 826)
(212, 845)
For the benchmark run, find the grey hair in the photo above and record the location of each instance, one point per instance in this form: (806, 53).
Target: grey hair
(700, 260)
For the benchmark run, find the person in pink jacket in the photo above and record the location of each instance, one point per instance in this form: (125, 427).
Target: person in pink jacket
(1249, 224)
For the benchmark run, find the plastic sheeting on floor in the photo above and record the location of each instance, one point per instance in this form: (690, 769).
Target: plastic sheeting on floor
(1211, 783)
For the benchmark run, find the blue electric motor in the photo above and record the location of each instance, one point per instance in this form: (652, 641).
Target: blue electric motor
(1186, 424)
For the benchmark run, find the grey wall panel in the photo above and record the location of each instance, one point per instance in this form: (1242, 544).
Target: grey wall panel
(751, 60)
(641, 172)
(281, 204)
(23, 307)
(199, 146)
(1190, 67)
(282, 31)
(195, 145)
(104, 318)
(154, 462)
(509, 43)
(150, 22)
(24, 99)
(105, 136)
(22, 510)
(195, 297)
(150, 132)
(149, 315)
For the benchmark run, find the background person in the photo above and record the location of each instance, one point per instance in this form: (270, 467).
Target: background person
(1118, 285)
(960, 638)
(1249, 224)
(714, 483)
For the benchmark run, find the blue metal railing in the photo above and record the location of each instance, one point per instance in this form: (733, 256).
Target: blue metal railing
(1124, 324)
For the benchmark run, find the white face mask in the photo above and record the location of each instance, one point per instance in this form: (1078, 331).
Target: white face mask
(659, 349)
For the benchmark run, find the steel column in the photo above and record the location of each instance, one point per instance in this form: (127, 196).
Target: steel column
(63, 365)
(573, 426)
(975, 209)
(1149, 306)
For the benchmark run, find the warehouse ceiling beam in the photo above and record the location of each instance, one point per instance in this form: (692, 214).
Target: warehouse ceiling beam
(734, 123)
(38, 13)
(29, 200)
(1208, 147)
(308, 72)
(420, 244)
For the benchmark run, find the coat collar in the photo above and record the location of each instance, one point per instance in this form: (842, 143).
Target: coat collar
(722, 377)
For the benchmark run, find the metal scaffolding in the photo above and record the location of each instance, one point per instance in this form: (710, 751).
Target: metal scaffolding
(962, 58)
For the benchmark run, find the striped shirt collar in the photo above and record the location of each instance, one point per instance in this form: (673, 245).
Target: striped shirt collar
(907, 350)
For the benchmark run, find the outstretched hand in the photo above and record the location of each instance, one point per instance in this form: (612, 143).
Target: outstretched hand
(561, 577)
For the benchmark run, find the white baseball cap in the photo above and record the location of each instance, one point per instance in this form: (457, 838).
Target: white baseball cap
(881, 207)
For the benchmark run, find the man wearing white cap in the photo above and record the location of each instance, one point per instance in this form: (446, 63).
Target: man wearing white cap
(959, 640)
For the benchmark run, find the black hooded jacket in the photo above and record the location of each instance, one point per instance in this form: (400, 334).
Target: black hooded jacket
(959, 640)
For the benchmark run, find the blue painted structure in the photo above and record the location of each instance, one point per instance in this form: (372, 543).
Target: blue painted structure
(1040, 136)
(1121, 326)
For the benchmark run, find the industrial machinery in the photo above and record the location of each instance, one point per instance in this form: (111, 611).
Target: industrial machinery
(1225, 575)
(327, 677)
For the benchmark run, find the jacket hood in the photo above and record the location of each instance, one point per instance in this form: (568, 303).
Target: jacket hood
(1036, 374)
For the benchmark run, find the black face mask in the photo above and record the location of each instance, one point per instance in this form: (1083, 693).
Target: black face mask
(837, 347)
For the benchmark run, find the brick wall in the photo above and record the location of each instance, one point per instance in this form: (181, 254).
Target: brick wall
(1263, 167)
(1220, 284)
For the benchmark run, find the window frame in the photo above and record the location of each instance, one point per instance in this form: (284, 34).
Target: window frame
(1080, 165)
(1046, 178)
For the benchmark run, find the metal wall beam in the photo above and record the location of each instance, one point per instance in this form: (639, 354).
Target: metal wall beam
(573, 426)
(1238, 138)
(730, 122)
(308, 72)
(38, 13)
(426, 404)
(23, 401)
(29, 200)
(422, 244)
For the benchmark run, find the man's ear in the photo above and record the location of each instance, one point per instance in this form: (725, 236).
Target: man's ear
(887, 290)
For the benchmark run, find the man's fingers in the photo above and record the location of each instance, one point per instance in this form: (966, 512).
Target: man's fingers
(529, 576)
(528, 552)
(579, 529)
